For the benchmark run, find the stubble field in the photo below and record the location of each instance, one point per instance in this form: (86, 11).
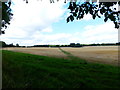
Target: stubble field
(99, 54)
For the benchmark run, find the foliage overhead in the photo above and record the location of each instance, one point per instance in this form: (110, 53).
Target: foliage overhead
(77, 11)
(6, 15)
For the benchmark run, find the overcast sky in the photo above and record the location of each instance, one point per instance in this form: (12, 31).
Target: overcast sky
(44, 23)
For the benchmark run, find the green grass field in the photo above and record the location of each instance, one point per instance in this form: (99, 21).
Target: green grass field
(22, 70)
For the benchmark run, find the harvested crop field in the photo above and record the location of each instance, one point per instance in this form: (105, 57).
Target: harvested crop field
(100, 54)
(53, 52)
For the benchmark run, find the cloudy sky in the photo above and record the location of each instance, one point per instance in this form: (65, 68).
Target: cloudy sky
(44, 23)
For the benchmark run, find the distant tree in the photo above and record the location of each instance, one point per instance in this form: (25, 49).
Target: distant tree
(23, 46)
(78, 45)
(11, 45)
(2, 44)
(17, 45)
(62, 46)
(72, 44)
(57, 45)
(118, 43)
(66, 45)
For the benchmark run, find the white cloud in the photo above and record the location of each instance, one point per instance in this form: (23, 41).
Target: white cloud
(104, 33)
(48, 29)
(32, 25)
(36, 14)
(34, 17)
(59, 38)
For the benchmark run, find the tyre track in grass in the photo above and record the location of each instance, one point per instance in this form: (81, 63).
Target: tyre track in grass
(72, 57)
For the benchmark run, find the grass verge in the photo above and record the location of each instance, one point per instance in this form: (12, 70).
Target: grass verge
(22, 70)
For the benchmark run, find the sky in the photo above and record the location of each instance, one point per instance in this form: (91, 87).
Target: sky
(38, 23)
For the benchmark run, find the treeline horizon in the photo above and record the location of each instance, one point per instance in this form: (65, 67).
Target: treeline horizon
(3, 44)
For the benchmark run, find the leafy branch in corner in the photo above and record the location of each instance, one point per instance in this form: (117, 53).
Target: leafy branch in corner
(6, 16)
(78, 10)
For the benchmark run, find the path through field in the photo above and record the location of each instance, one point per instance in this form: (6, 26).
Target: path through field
(99, 54)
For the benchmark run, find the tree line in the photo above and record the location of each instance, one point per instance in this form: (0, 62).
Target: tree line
(3, 44)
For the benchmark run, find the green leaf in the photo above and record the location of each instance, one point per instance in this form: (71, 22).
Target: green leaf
(71, 18)
(111, 17)
(116, 25)
(74, 4)
(68, 20)
(105, 19)
(119, 3)
(76, 10)
(93, 16)
(98, 16)
(9, 3)
(74, 14)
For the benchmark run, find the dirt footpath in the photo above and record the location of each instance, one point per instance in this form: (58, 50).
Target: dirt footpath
(101, 54)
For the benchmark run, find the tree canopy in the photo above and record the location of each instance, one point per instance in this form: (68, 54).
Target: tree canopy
(105, 9)
(6, 15)
(77, 11)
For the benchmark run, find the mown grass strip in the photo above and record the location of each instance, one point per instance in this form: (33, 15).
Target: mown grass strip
(72, 57)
